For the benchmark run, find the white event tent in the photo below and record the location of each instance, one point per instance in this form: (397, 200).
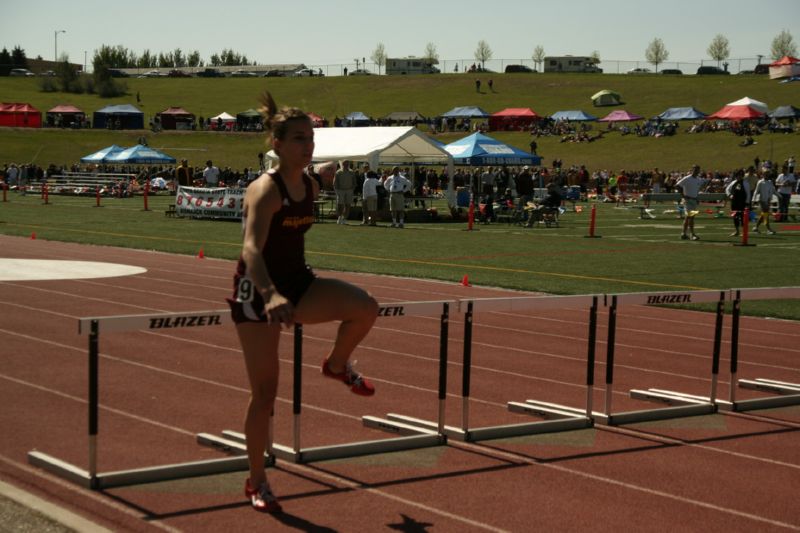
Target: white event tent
(379, 145)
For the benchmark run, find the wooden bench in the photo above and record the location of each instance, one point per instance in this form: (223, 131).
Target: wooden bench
(703, 197)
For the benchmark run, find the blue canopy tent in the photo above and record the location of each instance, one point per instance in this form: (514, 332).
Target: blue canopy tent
(140, 155)
(130, 118)
(785, 111)
(100, 155)
(572, 116)
(357, 118)
(682, 113)
(466, 112)
(479, 149)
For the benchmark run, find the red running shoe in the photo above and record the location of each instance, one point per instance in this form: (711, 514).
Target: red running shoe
(262, 499)
(358, 384)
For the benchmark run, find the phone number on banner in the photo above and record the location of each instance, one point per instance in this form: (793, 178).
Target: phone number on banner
(209, 203)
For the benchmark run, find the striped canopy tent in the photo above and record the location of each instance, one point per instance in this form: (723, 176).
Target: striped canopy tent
(750, 102)
(100, 155)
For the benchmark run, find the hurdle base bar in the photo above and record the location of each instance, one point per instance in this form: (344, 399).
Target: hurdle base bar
(680, 406)
(502, 431)
(124, 478)
(788, 394)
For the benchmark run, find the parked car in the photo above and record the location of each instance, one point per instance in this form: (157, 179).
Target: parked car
(761, 68)
(152, 74)
(305, 72)
(242, 73)
(360, 72)
(175, 73)
(275, 73)
(639, 71)
(519, 68)
(21, 72)
(672, 71)
(711, 70)
(210, 73)
(48, 73)
(117, 73)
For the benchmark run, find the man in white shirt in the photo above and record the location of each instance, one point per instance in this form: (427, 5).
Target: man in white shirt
(211, 175)
(690, 188)
(785, 184)
(397, 185)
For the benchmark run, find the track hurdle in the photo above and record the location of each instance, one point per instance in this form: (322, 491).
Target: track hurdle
(788, 393)
(680, 404)
(556, 417)
(91, 478)
(409, 436)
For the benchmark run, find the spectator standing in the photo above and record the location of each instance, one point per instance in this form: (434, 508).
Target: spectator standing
(762, 195)
(690, 188)
(12, 176)
(184, 174)
(491, 85)
(397, 185)
(524, 185)
(738, 195)
(477, 86)
(211, 175)
(785, 183)
(344, 183)
(369, 191)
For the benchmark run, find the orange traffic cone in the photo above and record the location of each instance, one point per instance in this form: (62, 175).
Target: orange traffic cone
(200, 254)
(33, 236)
(465, 281)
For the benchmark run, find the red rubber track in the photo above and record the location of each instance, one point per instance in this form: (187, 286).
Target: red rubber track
(721, 472)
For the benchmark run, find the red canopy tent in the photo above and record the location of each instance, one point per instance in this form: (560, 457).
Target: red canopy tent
(785, 67)
(70, 115)
(736, 112)
(513, 118)
(20, 116)
(176, 118)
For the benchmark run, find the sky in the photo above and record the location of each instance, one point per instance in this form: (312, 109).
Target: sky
(331, 32)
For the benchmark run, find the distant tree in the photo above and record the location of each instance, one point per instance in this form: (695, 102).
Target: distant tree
(483, 53)
(656, 52)
(114, 57)
(379, 56)
(18, 58)
(67, 76)
(215, 60)
(595, 57)
(5, 62)
(431, 54)
(783, 45)
(538, 56)
(719, 49)
(146, 60)
(178, 59)
(193, 59)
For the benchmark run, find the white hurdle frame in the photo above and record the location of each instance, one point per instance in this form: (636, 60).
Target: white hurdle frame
(680, 404)
(90, 478)
(410, 437)
(788, 393)
(557, 417)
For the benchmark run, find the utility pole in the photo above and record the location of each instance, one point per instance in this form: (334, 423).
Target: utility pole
(55, 37)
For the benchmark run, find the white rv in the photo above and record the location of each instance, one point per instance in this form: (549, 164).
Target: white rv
(570, 64)
(411, 65)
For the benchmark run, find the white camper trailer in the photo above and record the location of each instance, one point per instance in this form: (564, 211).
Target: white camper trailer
(411, 65)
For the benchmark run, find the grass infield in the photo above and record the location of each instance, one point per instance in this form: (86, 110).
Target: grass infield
(632, 255)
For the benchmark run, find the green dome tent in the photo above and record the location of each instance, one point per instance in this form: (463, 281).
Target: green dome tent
(606, 97)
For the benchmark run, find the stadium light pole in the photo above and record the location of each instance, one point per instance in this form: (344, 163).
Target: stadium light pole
(55, 37)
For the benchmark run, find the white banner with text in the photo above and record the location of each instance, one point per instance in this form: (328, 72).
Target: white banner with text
(200, 202)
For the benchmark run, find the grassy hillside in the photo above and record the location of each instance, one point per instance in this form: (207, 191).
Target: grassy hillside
(377, 96)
